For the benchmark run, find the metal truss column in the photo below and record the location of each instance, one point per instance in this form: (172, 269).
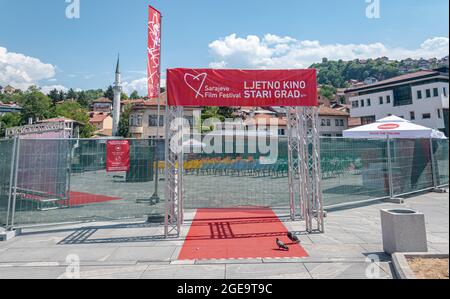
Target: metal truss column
(174, 170)
(304, 166)
(314, 175)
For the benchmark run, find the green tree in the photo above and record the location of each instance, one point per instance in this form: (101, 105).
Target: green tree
(109, 93)
(62, 96)
(134, 95)
(54, 95)
(9, 120)
(328, 91)
(71, 95)
(124, 128)
(123, 96)
(35, 105)
(83, 99)
(73, 110)
(93, 94)
(210, 113)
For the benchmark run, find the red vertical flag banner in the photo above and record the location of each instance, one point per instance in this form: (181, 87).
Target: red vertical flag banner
(154, 53)
(117, 156)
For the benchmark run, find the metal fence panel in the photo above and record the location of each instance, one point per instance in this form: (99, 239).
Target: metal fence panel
(411, 165)
(353, 170)
(66, 181)
(6, 163)
(441, 155)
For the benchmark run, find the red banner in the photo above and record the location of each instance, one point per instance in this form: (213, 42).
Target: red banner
(154, 53)
(117, 156)
(207, 87)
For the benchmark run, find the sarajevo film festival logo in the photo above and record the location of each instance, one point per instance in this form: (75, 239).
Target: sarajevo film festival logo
(195, 83)
(73, 9)
(373, 9)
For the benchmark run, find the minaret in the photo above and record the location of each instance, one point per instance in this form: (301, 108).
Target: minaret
(116, 103)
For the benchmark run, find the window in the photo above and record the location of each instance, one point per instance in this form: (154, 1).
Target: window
(402, 95)
(428, 92)
(412, 115)
(355, 104)
(368, 120)
(369, 103)
(327, 135)
(381, 101)
(136, 120)
(426, 116)
(341, 122)
(435, 92)
(388, 99)
(419, 94)
(444, 91)
(328, 122)
(324, 122)
(336, 122)
(362, 103)
(439, 113)
(153, 120)
(281, 132)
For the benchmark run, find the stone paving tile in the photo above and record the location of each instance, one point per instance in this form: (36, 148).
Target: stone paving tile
(185, 272)
(175, 253)
(438, 238)
(267, 271)
(142, 254)
(30, 255)
(123, 272)
(92, 254)
(229, 262)
(334, 250)
(337, 238)
(344, 271)
(438, 248)
(284, 261)
(31, 272)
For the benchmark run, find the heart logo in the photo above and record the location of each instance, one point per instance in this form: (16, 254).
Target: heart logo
(195, 82)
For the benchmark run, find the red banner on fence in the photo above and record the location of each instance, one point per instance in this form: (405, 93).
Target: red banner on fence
(207, 87)
(154, 53)
(117, 156)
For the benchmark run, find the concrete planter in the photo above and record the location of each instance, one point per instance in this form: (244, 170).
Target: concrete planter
(403, 231)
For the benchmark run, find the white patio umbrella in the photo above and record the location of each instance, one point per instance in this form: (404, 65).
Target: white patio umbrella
(393, 127)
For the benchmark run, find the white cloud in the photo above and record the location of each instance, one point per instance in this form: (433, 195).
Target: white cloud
(21, 71)
(47, 88)
(140, 85)
(272, 51)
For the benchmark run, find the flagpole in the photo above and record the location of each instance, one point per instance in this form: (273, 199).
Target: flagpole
(155, 197)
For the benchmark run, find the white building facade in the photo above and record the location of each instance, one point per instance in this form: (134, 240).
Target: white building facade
(421, 97)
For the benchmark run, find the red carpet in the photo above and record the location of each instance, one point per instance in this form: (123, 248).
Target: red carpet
(80, 198)
(237, 234)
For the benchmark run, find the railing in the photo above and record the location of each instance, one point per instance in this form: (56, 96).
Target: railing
(65, 180)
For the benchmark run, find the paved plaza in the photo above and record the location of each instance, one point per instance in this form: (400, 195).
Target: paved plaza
(138, 250)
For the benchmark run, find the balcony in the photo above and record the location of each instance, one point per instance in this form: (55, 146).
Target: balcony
(136, 130)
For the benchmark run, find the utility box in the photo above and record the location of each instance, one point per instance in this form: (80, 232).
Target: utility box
(403, 231)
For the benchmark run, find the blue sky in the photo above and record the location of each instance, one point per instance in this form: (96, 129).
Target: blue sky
(81, 53)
